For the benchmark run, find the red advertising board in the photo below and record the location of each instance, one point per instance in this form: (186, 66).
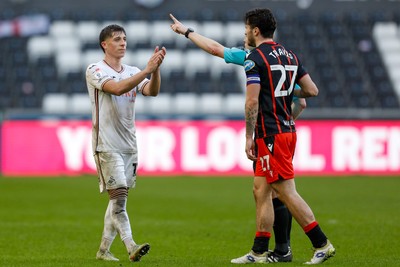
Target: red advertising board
(202, 148)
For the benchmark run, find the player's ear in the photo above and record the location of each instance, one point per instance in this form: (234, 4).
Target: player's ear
(103, 44)
(256, 30)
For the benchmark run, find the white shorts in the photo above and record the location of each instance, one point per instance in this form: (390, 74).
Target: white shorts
(116, 170)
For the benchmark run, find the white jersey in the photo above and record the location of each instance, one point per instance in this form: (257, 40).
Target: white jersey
(113, 117)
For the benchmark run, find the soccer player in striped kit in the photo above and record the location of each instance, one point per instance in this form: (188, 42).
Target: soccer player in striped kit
(272, 71)
(283, 219)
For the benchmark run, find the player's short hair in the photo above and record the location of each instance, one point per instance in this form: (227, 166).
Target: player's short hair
(263, 19)
(107, 32)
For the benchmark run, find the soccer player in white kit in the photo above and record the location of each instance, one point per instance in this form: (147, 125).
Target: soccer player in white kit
(112, 87)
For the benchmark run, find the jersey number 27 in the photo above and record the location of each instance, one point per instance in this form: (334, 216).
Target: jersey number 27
(283, 69)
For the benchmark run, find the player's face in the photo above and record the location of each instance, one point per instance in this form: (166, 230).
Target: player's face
(249, 37)
(115, 46)
(246, 45)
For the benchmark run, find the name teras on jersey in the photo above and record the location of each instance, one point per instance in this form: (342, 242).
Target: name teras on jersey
(281, 52)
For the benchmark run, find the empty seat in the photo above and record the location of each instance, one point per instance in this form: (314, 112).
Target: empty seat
(393, 62)
(79, 103)
(55, 103)
(384, 30)
(161, 104)
(90, 57)
(311, 30)
(173, 62)
(3, 73)
(214, 30)
(361, 32)
(336, 30)
(106, 15)
(206, 14)
(234, 104)
(68, 61)
(185, 103)
(389, 45)
(196, 60)
(65, 44)
(231, 14)
(389, 102)
(50, 86)
(75, 82)
(137, 32)
(364, 100)
(178, 83)
(133, 15)
(141, 57)
(22, 73)
(29, 101)
(90, 45)
(229, 87)
(40, 46)
(88, 31)
(219, 67)
(161, 33)
(202, 83)
(141, 105)
(47, 73)
(234, 33)
(211, 103)
(62, 28)
(338, 101)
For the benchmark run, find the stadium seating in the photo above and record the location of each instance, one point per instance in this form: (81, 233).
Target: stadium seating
(353, 58)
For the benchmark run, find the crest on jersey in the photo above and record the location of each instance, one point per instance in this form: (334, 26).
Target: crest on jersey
(97, 73)
(271, 148)
(248, 64)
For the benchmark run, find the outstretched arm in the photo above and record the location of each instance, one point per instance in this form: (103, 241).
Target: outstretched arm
(209, 45)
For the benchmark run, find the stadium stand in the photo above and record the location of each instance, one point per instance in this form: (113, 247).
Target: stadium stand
(354, 57)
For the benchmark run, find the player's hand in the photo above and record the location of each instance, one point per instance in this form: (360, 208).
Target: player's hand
(250, 149)
(177, 26)
(156, 59)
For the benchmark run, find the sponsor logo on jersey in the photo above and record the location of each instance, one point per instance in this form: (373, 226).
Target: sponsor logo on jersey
(248, 65)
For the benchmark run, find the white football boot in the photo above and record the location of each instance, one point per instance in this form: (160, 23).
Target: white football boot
(138, 251)
(105, 256)
(322, 254)
(251, 257)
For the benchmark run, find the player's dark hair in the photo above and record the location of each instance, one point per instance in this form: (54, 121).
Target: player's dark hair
(263, 19)
(108, 31)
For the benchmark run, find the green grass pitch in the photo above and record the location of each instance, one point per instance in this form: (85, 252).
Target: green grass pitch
(191, 221)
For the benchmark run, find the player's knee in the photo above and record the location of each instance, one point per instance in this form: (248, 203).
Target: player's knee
(260, 191)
